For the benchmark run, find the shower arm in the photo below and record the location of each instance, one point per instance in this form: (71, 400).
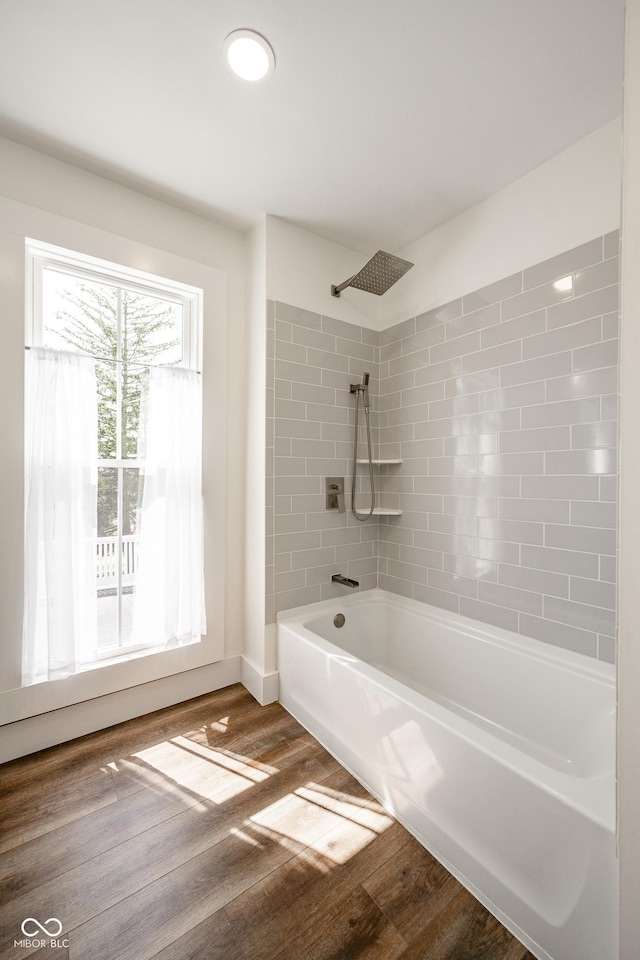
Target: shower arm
(337, 290)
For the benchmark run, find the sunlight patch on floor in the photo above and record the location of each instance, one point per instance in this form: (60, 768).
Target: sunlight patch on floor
(213, 774)
(235, 762)
(261, 837)
(334, 826)
(350, 808)
(220, 726)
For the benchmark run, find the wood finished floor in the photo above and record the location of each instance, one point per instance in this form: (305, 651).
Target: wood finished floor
(220, 830)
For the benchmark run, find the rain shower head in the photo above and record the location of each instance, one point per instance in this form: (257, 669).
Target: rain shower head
(380, 273)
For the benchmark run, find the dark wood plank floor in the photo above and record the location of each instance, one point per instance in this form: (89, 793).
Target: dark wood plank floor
(221, 830)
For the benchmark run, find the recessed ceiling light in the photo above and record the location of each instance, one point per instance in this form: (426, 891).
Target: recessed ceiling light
(248, 56)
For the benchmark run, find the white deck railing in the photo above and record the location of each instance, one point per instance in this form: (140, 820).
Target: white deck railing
(107, 561)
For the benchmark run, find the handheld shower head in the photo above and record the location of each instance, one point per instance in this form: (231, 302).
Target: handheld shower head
(365, 390)
(362, 388)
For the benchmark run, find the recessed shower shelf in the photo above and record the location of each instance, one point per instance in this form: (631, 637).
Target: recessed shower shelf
(379, 511)
(379, 462)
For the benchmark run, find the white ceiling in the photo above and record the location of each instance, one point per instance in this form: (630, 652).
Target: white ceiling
(383, 119)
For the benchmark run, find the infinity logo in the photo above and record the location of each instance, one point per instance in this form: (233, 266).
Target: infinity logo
(38, 926)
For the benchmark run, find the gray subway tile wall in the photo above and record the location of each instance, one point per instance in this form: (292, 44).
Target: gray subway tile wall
(312, 361)
(502, 405)
(513, 508)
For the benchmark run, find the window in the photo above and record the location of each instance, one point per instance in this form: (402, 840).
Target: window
(114, 521)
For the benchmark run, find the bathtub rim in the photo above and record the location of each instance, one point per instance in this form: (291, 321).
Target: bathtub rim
(592, 797)
(580, 663)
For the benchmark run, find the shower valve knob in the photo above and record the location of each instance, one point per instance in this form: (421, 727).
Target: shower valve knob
(334, 488)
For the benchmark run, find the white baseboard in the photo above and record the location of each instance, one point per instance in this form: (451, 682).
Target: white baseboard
(67, 723)
(264, 687)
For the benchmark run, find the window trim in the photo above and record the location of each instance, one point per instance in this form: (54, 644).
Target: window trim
(168, 246)
(40, 256)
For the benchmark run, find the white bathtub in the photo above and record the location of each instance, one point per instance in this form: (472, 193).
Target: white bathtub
(496, 751)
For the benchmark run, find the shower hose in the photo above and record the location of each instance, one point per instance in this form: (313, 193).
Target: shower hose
(361, 516)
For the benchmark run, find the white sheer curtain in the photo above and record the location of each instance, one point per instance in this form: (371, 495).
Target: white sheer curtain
(61, 450)
(168, 603)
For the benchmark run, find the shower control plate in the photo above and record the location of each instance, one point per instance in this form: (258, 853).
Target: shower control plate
(334, 489)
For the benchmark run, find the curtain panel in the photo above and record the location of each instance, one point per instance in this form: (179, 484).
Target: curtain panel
(168, 603)
(61, 450)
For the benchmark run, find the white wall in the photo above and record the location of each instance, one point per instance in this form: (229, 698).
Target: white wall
(55, 202)
(12, 439)
(301, 267)
(259, 660)
(537, 217)
(629, 525)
